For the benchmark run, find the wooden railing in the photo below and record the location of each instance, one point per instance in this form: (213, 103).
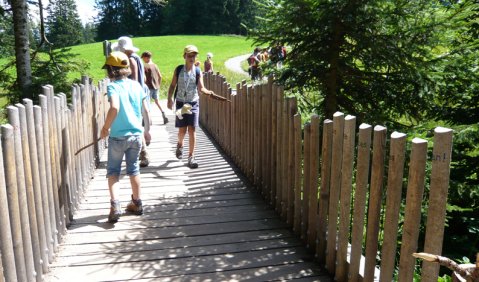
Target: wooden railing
(49, 153)
(337, 182)
(319, 178)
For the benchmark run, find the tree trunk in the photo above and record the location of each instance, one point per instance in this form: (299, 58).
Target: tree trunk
(22, 47)
(332, 79)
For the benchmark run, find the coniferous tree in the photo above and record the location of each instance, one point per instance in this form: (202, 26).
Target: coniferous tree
(108, 20)
(22, 47)
(457, 102)
(6, 36)
(151, 18)
(391, 62)
(373, 59)
(182, 13)
(63, 24)
(117, 18)
(89, 33)
(209, 16)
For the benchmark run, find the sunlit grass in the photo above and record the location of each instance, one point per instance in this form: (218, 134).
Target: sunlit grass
(167, 53)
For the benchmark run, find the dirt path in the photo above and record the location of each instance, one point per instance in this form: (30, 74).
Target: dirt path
(234, 64)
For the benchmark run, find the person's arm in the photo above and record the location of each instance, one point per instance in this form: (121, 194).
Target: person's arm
(160, 77)
(146, 118)
(171, 89)
(110, 116)
(211, 68)
(134, 69)
(202, 88)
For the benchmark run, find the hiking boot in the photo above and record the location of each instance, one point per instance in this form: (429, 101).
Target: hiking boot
(135, 206)
(115, 211)
(179, 152)
(165, 119)
(144, 160)
(192, 162)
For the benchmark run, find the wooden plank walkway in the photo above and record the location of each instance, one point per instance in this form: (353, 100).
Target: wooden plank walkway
(204, 224)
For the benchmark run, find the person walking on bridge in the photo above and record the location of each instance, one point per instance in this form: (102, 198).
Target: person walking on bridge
(128, 104)
(186, 84)
(125, 45)
(153, 80)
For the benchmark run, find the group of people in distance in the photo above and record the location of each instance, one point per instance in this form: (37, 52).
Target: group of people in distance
(263, 56)
(133, 80)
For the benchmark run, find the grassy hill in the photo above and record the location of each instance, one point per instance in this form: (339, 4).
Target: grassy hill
(168, 53)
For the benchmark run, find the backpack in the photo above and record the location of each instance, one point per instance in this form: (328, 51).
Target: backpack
(177, 74)
(252, 60)
(279, 53)
(283, 52)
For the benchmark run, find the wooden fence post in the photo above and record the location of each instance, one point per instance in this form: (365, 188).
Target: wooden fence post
(375, 200)
(306, 179)
(49, 172)
(279, 146)
(6, 247)
(436, 214)
(313, 182)
(322, 223)
(349, 142)
(293, 109)
(274, 146)
(14, 120)
(362, 174)
(244, 129)
(9, 157)
(74, 191)
(37, 189)
(40, 150)
(412, 213)
(256, 127)
(284, 159)
(77, 141)
(66, 170)
(265, 145)
(229, 122)
(53, 137)
(267, 102)
(250, 134)
(335, 187)
(58, 191)
(297, 173)
(32, 209)
(65, 159)
(393, 204)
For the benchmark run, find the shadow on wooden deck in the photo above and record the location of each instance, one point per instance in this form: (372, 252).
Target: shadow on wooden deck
(204, 224)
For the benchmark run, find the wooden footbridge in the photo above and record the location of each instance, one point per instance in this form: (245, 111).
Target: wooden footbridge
(272, 199)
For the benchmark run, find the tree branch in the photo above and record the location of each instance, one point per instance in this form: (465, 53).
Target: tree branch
(469, 272)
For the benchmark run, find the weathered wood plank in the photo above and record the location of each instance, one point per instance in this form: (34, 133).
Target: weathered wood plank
(297, 271)
(178, 242)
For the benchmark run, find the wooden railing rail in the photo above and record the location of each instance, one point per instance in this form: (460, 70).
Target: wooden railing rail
(48, 155)
(330, 181)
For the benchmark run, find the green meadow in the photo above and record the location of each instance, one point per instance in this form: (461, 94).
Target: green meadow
(168, 53)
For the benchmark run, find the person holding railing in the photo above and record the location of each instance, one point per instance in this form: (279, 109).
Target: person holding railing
(186, 84)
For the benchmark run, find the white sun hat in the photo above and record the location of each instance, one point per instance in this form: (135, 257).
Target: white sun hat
(124, 43)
